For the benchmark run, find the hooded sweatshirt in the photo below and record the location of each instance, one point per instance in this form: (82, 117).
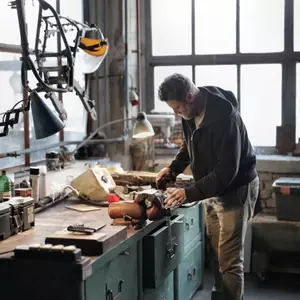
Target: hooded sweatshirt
(219, 151)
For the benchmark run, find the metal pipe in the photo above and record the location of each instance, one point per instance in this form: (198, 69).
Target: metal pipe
(139, 52)
(20, 4)
(66, 143)
(100, 128)
(126, 60)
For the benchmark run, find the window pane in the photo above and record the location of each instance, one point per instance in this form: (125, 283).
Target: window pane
(297, 25)
(9, 33)
(75, 128)
(160, 73)
(75, 11)
(262, 25)
(224, 77)
(298, 103)
(32, 11)
(10, 77)
(215, 26)
(171, 27)
(261, 100)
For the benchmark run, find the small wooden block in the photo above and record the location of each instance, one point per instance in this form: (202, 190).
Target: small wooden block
(83, 207)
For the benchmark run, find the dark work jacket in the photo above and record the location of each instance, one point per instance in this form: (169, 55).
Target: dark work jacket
(219, 151)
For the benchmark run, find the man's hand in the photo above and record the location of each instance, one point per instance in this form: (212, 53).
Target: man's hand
(160, 177)
(177, 198)
(162, 173)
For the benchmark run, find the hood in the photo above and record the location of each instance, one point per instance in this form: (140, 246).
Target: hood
(219, 105)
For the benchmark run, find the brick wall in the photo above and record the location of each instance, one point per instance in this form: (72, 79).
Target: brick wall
(266, 191)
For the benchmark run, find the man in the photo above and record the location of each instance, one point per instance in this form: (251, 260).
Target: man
(223, 163)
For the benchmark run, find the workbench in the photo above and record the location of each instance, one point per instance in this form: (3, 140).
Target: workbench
(137, 268)
(275, 245)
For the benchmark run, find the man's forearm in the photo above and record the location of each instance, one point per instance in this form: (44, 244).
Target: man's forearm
(181, 160)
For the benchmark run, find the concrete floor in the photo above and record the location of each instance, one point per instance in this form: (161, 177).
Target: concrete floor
(278, 287)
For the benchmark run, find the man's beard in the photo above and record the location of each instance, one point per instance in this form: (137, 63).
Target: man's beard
(189, 115)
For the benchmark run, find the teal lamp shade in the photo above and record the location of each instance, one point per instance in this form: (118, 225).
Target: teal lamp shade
(142, 127)
(45, 122)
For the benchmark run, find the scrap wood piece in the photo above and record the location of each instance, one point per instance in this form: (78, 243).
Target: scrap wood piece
(135, 177)
(82, 207)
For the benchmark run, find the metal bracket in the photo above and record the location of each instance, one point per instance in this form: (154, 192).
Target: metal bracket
(88, 104)
(57, 105)
(11, 117)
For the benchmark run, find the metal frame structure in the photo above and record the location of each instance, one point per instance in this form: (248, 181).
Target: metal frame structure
(288, 59)
(17, 49)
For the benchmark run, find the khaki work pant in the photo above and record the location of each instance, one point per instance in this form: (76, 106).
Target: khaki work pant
(226, 221)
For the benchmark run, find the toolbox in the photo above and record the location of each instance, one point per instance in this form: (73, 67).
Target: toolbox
(23, 217)
(287, 197)
(5, 213)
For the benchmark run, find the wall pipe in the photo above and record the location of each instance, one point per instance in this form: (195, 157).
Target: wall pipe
(61, 144)
(126, 89)
(139, 52)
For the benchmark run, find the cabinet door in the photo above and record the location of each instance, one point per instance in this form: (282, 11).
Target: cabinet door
(192, 224)
(118, 279)
(189, 274)
(158, 261)
(164, 292)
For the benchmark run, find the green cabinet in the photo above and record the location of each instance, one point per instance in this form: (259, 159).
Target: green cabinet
(192, 224)
(116, 280)
(188, 277)
(189, 274)
(158, 262)
(164, 292)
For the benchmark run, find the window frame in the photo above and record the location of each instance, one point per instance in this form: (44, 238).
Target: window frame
(17, 49)
(288, 59)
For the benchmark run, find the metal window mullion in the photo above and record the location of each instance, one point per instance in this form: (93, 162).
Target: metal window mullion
(224, 59)
(194, 73)
(193, 27)
(149, 95)
(288, 112)
(237, 26)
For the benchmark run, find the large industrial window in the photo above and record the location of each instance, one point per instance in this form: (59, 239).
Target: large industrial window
(247, 46)
(22, 136)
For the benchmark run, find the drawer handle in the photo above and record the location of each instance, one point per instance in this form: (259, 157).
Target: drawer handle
(126, 253)
(171, 251)
(191, 274)
(109, 293)
(188, 226)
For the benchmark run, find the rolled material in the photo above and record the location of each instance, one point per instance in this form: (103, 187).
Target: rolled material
(132, 209)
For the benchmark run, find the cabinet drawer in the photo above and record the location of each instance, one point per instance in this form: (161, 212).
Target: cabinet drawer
(192, 221)
(164, 292)
(117, 279)
(189, 274)
(157, 261)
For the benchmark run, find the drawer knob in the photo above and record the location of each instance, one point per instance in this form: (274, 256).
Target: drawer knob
(109, 293)
(191, 274)
(189, 226)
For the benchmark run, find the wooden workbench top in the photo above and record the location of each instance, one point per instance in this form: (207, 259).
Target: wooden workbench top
(57, 218)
